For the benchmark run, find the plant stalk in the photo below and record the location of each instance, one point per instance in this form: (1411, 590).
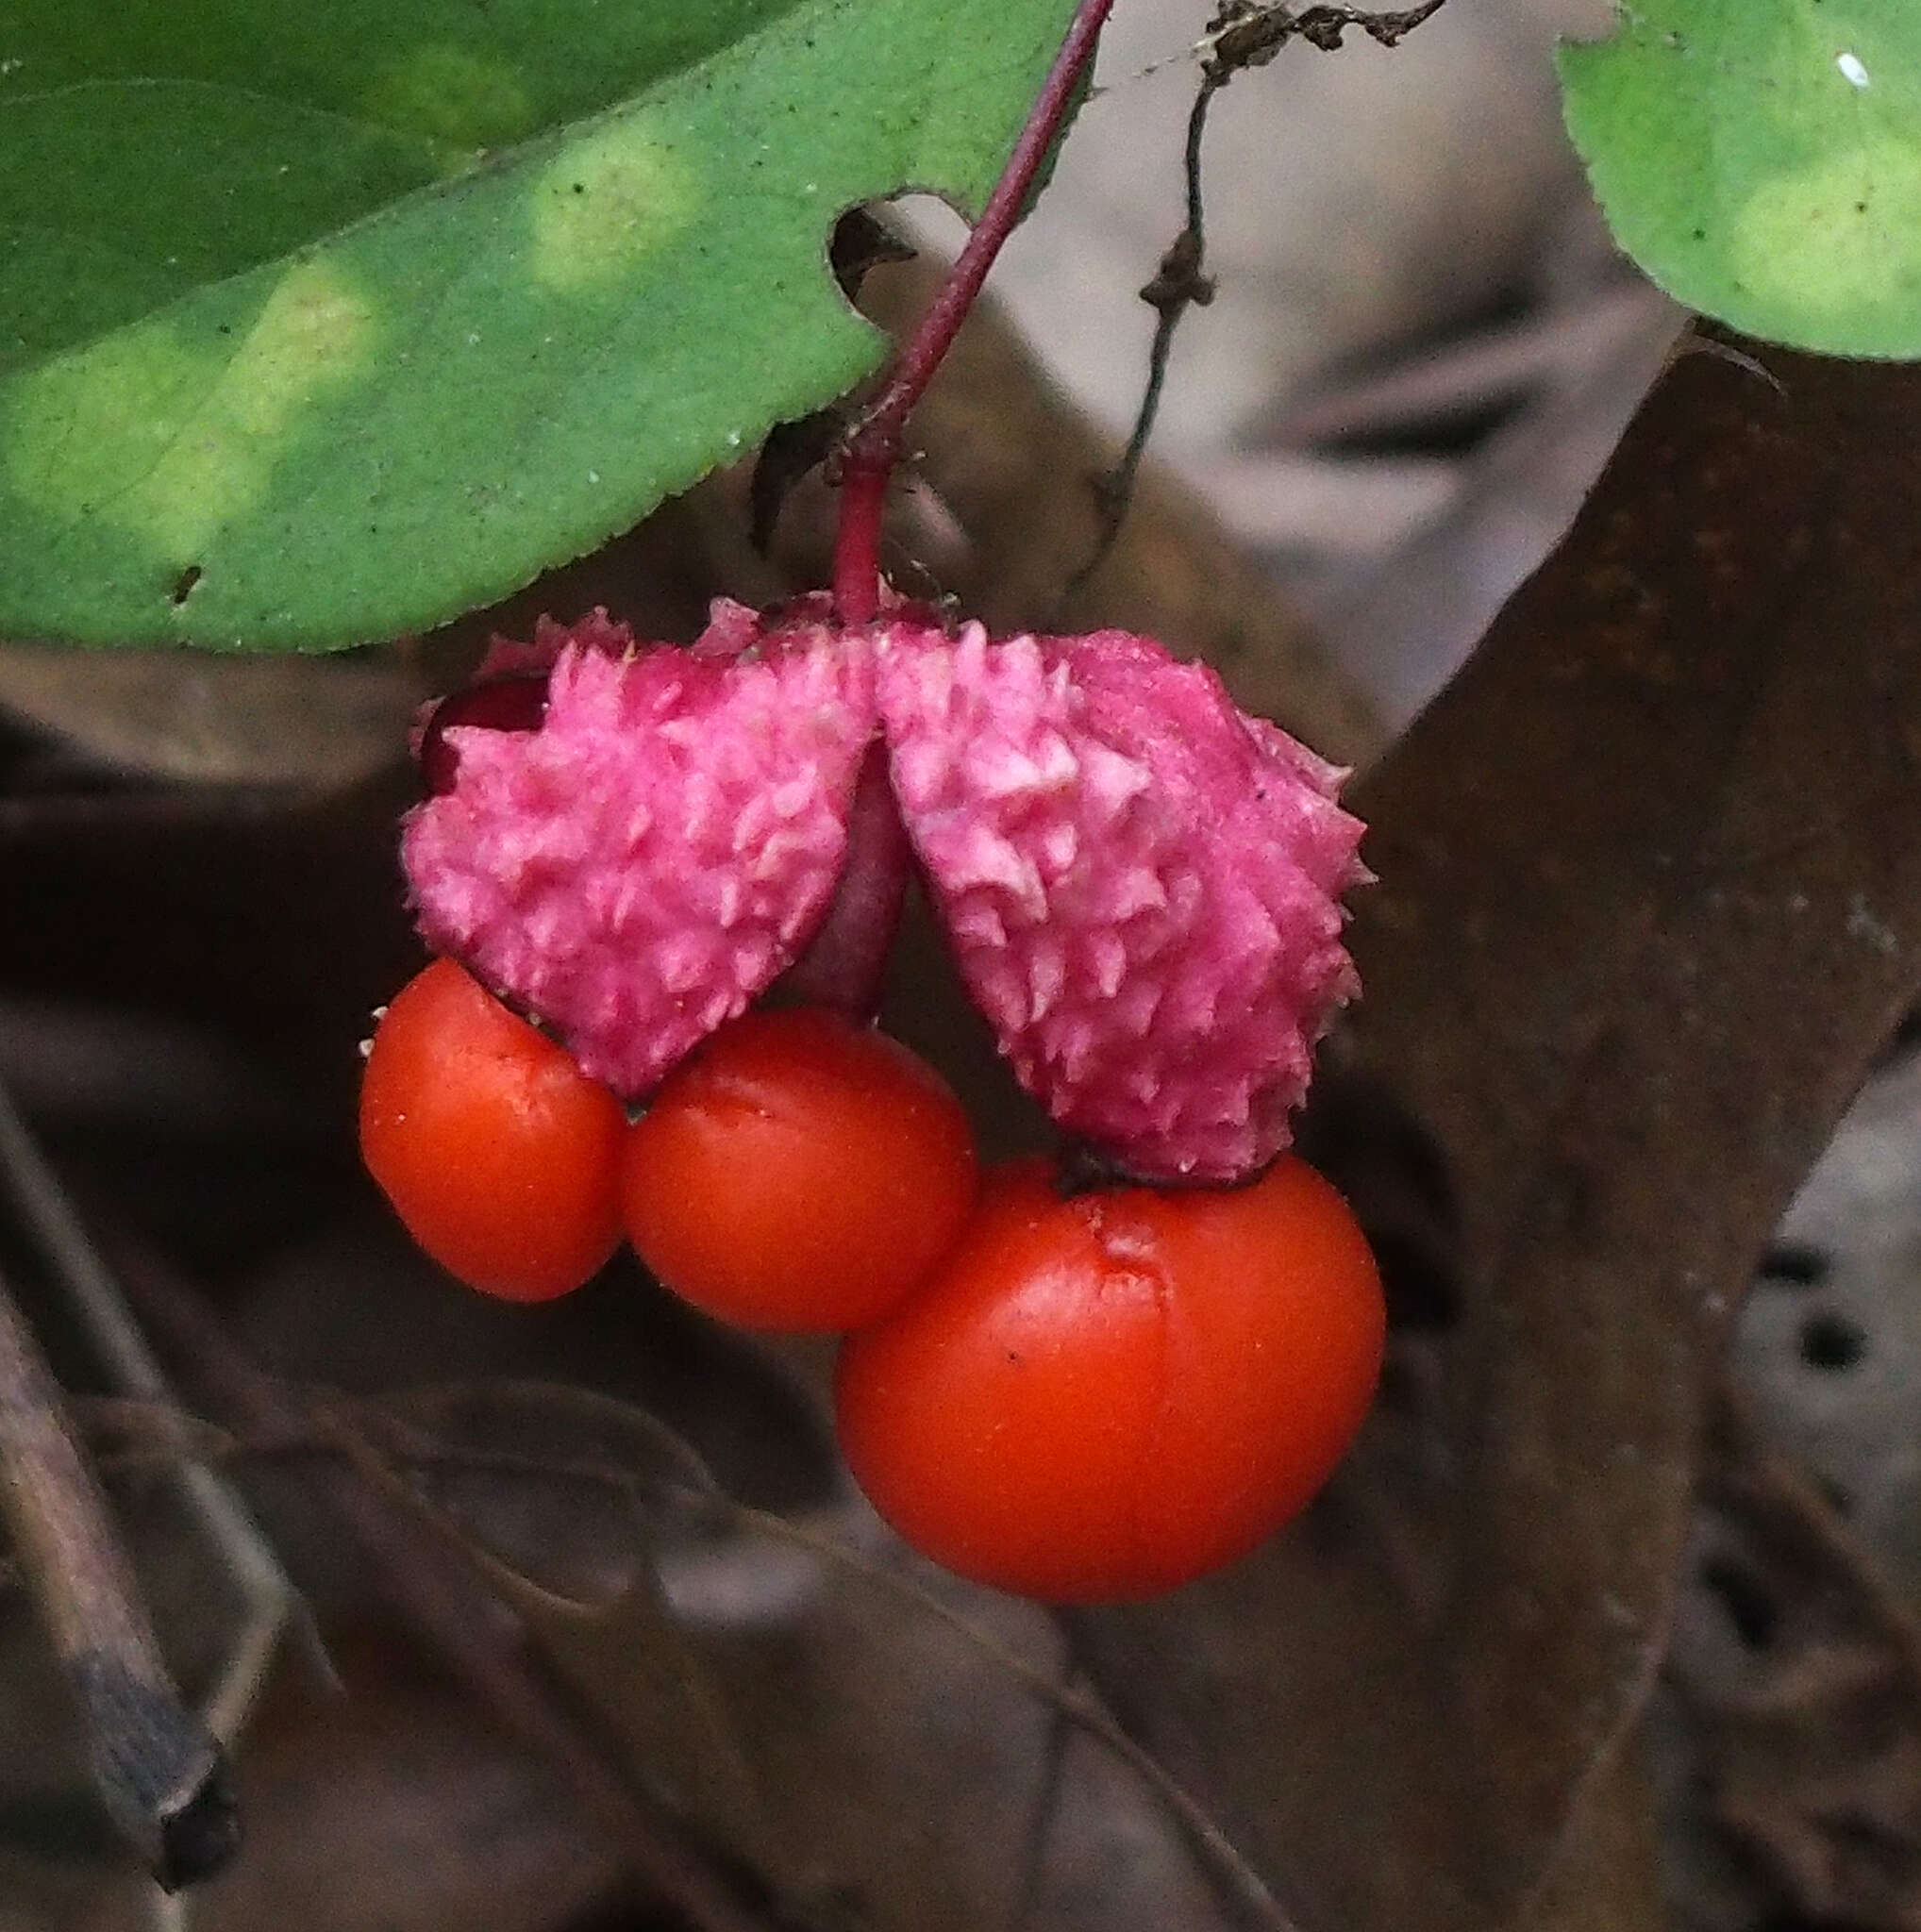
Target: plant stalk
(873, 448)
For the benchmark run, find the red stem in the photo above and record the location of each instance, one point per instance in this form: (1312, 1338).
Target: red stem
(873, 448)
(856, 542)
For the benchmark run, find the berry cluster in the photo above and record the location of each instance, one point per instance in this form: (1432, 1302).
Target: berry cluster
(1074, 1393)
(798, 1173)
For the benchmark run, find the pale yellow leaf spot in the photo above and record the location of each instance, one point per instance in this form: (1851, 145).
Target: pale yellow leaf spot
(605, 203)
(89, 420)
(457, 100)
(171, 441)
(1823, 240)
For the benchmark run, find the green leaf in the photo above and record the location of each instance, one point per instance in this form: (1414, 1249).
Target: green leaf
(323, 324)
(1761, 160)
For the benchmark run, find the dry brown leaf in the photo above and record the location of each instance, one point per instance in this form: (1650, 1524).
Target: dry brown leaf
(387, 1800)
(585, 1586)
(1651, 899)
(874, 1760)
(1661, 833)
(394, 1802)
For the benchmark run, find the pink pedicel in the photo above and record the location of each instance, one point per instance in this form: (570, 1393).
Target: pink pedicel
(1141, 883)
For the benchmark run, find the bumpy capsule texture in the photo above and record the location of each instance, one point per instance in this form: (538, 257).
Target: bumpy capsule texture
(639, 868)
(1140, 883)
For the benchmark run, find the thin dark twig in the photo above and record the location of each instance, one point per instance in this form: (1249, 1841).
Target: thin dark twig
(61, 1236)
(157, 1769)
(696, 1492)
(438, 1593)
(1178, 284)
(1241, 36)
(872, 447)
(1079, 1705)
(565, 1402)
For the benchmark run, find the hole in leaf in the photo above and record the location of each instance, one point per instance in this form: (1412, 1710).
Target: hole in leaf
(1831, 1342)
(1793, 1265)
(862, 241)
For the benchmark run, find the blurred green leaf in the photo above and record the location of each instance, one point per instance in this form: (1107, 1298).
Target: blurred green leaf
(1761, 160)
(322, 325)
